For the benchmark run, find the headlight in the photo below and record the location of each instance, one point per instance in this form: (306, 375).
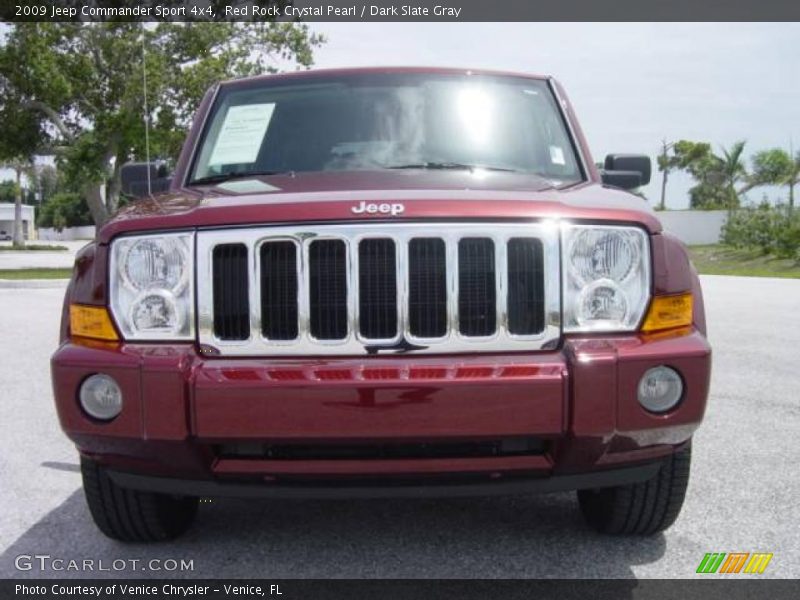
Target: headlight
(606, 277)
(152, 294)
(155, 262)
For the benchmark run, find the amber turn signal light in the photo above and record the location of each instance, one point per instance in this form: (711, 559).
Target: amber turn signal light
(91, 322)
(667, 312)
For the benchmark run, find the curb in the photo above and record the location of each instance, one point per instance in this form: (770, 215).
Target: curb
(47, 284)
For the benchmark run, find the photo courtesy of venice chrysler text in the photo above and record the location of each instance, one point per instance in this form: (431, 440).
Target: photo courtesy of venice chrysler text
(318, 299)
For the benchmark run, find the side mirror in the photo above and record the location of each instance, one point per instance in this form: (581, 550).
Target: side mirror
(134, 178)
(626, 171)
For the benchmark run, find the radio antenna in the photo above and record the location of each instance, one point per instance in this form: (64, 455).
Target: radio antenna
(146, 114)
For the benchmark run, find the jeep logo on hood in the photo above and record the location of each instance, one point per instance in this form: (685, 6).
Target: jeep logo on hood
(370, 208)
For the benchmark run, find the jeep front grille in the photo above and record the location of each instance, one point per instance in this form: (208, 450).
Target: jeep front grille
(427, 287)
(327, 289)
(477, 302)
(525, 279)
(377, 288)
(279, 287)
(374, 288)
(230, 291)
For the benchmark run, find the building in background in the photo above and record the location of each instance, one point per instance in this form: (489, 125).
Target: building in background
(7, 220)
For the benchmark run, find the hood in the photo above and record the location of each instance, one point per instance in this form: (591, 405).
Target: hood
(338, 196)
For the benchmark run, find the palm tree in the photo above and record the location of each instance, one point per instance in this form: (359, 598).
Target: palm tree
(775, 166)
(733, 171)
(792, 178)
(20, 167)
(665, 165)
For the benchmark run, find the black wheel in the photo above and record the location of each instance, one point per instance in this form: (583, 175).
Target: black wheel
(131, 516)
(642, 508)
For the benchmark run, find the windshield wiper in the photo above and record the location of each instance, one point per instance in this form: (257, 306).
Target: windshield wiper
(455, 166)
(222, 177)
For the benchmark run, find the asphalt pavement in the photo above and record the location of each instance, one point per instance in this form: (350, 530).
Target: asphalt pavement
(41, 259)
(742, 496)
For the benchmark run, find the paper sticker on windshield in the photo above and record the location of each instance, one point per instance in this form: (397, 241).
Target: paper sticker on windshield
(557, 155)
(248, 186)
(242, 133)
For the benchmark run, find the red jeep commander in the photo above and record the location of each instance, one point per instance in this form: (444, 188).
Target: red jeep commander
(384, 282)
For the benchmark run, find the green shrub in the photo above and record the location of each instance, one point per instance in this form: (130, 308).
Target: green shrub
(65, 209)
(770, 229)
(787, 244)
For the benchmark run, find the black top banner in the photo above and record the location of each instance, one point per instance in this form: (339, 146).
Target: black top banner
(399, 11)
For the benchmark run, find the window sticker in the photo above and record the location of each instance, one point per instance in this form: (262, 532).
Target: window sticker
(242, 133)
(248, 186)
(557, 155)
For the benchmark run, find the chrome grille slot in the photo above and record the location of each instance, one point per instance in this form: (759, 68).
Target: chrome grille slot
(377, 288)
(279, 312)
(230, 289)
(427, 287)
(327, 268)
(477, 293)
(525, 286)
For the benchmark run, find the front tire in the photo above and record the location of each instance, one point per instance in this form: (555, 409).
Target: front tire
(132, 516)
(642, 508)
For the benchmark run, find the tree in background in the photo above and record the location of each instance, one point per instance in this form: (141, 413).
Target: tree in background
(699, 161)
(716, 176)
(17, 147)
(732, 170)
(21, 167)
(8, 191)
(665, 165)
(79, 88)
(64, 209)
(720, 179)
(776, 166)
(45, 180)
(62, 205)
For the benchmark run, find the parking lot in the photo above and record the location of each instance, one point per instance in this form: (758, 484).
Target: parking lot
(41, 259)
(742, 495)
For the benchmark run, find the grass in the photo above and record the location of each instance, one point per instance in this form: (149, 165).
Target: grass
(34, 248)
(35, 273)
(724, 260)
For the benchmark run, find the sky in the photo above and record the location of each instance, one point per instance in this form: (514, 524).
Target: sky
(631, 84)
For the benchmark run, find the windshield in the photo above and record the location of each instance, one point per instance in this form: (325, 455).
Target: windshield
(387, 121)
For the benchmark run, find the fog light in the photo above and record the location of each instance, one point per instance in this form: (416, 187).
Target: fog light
(101, 397)
(660, 389)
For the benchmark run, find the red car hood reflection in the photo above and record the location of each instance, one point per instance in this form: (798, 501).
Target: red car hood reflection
(332, 196)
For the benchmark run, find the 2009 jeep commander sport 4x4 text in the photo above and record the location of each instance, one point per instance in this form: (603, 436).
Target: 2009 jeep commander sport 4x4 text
(384, 282)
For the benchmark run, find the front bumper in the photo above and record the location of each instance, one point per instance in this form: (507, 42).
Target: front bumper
(184, 412)
(492, 486)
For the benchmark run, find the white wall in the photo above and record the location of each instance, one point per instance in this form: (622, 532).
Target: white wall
(7, 218)
(67, 234)
(694, 227)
